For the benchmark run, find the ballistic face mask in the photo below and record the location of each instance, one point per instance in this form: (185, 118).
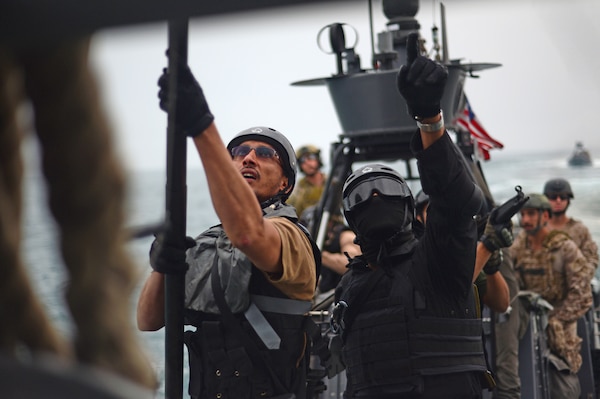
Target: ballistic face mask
(379, 207)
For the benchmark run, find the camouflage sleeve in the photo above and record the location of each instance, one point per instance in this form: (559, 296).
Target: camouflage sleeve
(516, 246)
(578, 273)
(515, 252)
(588, 246)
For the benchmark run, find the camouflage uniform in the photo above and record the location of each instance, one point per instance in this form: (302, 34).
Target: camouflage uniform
(305, 194)
(562, 276)
(579, 233)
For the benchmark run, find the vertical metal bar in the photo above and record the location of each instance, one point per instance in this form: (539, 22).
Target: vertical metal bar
(445, 51)
(373, 62)
(176, 196)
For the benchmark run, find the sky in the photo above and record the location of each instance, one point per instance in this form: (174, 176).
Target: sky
(545, 97)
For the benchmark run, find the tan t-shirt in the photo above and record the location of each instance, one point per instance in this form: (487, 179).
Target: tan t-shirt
(298, 280)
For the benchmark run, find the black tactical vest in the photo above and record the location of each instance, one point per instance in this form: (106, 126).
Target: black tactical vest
(386, 343)
(223, 366)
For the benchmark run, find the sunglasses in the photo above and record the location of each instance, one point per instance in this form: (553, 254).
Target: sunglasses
(563, 197)
(382, 185)
(261, 152)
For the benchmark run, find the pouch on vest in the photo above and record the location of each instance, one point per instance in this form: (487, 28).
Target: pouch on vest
(235, 270)
(220, 366)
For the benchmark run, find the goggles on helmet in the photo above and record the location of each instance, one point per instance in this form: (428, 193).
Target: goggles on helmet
(384, 186)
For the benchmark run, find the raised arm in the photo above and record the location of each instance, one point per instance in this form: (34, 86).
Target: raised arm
(237, 206)
(234, 201)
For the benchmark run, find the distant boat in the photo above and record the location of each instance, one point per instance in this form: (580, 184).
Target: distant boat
(580, 156)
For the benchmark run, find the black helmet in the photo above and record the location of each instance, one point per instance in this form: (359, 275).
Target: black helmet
(421, 199)
(558, 186)
(538, 201)
(308, 149)
(279, 142)
(361, 184)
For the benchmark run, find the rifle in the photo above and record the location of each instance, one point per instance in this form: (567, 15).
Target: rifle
(504, 213)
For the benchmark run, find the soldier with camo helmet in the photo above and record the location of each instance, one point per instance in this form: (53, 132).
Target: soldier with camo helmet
(560, 194)
(310, 187)
(550, 263)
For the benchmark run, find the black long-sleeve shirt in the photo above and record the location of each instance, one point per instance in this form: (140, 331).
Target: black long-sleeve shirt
(444, 259)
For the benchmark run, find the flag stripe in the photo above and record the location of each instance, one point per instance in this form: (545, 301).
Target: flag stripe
(484, 133)
(469, 121)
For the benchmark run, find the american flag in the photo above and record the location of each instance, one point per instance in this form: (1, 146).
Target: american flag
(469, 121)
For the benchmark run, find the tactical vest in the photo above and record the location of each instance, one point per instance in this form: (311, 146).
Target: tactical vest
(265, 356)
(385, 343)
(544, 272)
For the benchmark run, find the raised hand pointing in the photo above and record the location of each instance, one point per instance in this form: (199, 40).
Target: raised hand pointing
(421, 81)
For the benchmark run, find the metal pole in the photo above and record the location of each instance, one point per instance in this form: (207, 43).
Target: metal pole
(176, 196)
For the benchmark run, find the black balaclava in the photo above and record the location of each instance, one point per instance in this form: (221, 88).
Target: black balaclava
(382, 226)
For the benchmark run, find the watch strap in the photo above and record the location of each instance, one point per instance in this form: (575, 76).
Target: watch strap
(431, 127)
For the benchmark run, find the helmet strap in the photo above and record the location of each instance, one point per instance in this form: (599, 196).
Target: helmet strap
(276, 198)
(281, 196)
(539, 224)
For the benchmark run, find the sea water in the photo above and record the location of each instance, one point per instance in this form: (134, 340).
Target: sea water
(146, 206)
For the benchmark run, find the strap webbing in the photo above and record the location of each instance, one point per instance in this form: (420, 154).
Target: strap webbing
(281, 305)
(262, 327)
(234, 326)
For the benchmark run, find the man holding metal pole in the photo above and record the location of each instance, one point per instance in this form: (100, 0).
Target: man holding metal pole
(251, 279)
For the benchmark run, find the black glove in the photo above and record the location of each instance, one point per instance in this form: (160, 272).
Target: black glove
(168, 259)
(192, 114)
(493, 263)
(497, 235)
(421, 81)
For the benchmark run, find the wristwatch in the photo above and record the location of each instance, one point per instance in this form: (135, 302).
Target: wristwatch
(432, 127)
